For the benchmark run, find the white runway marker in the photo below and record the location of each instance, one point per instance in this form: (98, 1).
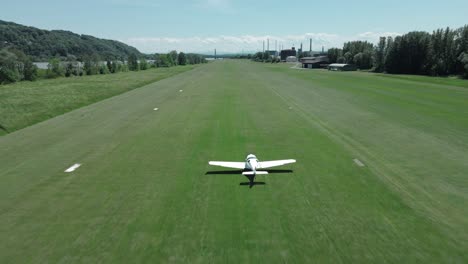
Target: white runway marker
(156, 109)
(358, 162)
(181, 90)
(74, 167)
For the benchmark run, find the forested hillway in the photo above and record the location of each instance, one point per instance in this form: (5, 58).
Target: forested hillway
(41, 45)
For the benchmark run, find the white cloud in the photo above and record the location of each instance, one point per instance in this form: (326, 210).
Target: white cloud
(374, 36)
(247, 43)
(224, 6)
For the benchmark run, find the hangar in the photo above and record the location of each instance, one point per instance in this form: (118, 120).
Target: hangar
(314, 62)
(341, 67)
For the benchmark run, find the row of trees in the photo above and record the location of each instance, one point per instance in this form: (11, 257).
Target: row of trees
(442, 53)
(264, 57)
(359, 53)
(173, 58)
(16, 66)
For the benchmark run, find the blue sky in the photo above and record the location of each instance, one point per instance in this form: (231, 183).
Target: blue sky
(235, 26)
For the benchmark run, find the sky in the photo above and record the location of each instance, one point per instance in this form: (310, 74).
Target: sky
(235, 26)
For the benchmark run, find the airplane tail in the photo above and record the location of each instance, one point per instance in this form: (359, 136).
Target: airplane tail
(255, 173)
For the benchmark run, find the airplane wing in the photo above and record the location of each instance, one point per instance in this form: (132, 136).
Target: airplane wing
(228, 164)
(274, 163)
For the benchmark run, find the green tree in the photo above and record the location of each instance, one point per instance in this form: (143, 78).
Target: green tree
(163, 60)
(170, 60)
(69, 69)
(143, 64)
(333, 54)
(341, 60)
(173, 59)
(181, 59)
(30, 71)
(114, 67)
(8, 67)
(91, 65)
(26, 69)
(257, 56)
(103, 69)
(462, 51)
(463, 59)
(54, 69)
(133, 62)
(391, 58)
(379, 55)
(109, 65)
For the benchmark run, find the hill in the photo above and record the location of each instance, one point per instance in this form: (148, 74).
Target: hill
(43, 44)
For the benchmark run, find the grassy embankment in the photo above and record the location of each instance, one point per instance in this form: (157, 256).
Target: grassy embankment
(25, 103)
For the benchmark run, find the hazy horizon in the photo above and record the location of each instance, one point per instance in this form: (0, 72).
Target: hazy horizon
(235, 26)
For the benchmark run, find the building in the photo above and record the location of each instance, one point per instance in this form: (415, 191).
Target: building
(314, 62)
(287, 53)
(341, 67)
(291, 59)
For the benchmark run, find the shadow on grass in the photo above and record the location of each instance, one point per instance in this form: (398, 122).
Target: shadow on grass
(251, 178)
(4, 129)
(239, 172)
(251, 183)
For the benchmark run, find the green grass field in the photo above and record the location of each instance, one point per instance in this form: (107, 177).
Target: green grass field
(25, 103)
(145, 193)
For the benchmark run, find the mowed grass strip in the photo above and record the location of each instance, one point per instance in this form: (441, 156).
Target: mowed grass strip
(25, 103)
(143, 194)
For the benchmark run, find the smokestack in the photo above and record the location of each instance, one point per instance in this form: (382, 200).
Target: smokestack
(215, 54)
(323, 49)
(263, 46)
(310, 48)
(268, 44)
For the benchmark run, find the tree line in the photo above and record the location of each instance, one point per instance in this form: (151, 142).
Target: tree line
(16, 66)
(440, 53)
(264, 57)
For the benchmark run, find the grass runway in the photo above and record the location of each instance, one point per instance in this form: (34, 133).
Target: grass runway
(145, 193)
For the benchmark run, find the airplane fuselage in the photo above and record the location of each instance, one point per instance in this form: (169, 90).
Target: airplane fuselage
(251, 162)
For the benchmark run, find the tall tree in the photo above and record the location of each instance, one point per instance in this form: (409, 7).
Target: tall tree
(8, 67)
(334, 54)
(143, 64)
(462, 51)
(173, 55)
(133, 62)
(109, 65)
(379, 55)
(181, 59)
(30, 71)
(391, 55)
(54, 69)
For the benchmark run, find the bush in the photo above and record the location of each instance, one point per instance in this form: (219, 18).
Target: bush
(143, 65)
(54, 69)
(8, 67)
(29, 71)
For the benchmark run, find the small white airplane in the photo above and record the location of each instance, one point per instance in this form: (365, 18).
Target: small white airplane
(251, 164)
